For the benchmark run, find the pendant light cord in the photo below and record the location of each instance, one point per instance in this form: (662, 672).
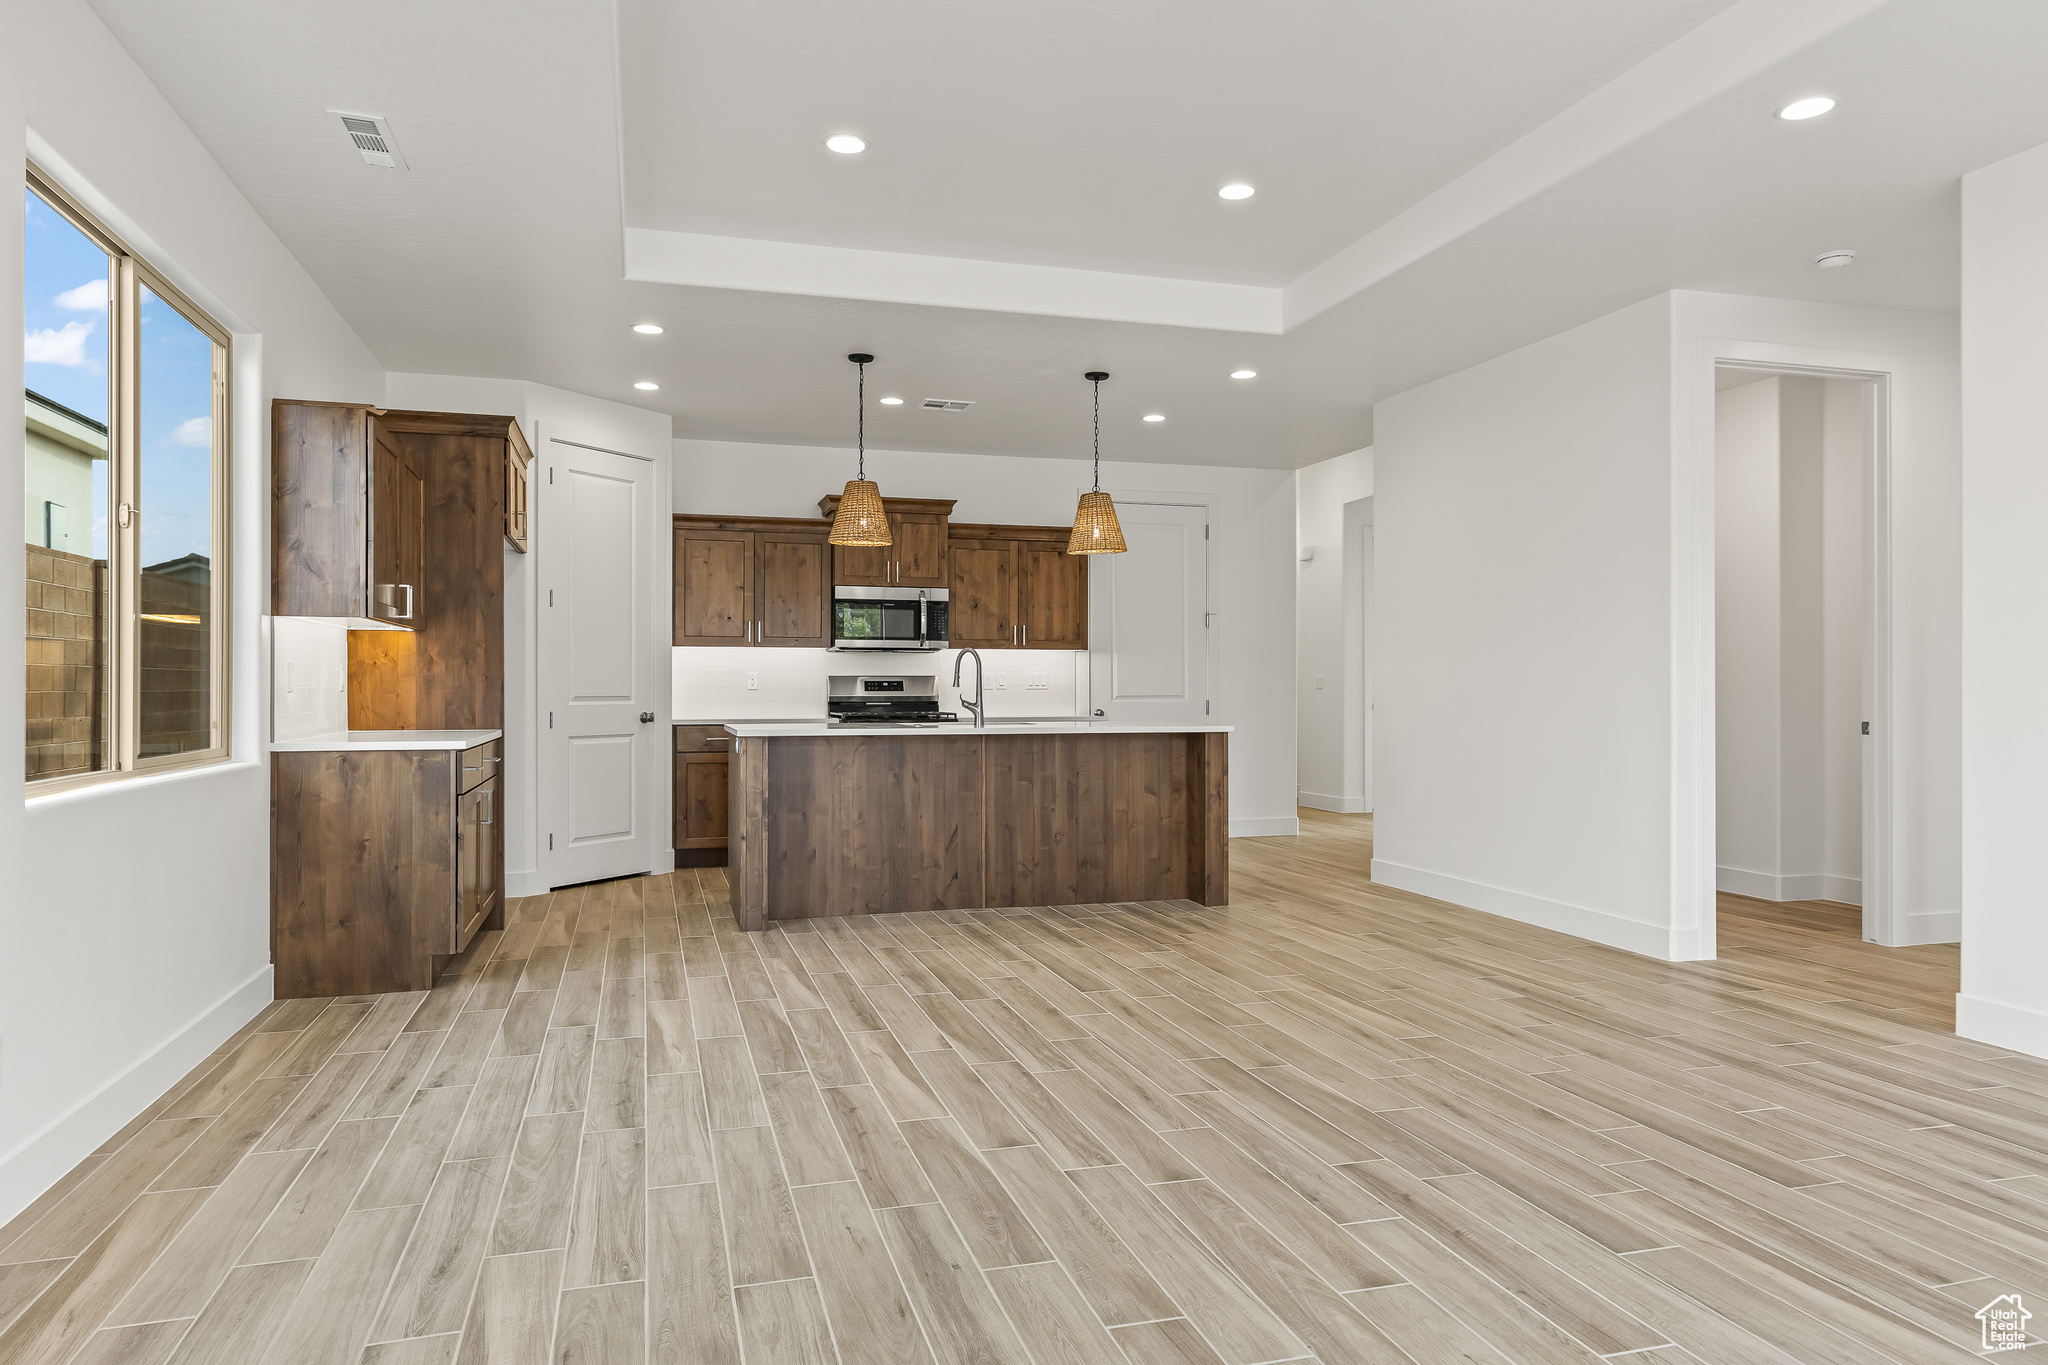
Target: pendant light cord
(1098, 435)
(863, 422)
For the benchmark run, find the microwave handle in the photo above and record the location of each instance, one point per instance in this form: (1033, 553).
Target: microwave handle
(921, 634)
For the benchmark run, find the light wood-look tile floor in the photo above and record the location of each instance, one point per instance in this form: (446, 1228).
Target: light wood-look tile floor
(1330, 1122)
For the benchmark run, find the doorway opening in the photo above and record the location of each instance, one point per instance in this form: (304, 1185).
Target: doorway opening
(1795, 564)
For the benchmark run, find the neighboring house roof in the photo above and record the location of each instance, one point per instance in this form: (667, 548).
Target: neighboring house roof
(192, 568)
(55, 422)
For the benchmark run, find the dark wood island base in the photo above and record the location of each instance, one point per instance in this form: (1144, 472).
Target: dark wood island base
(867, 822)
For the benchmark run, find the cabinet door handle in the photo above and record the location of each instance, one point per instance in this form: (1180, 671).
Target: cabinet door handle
(491, 805)
(406, 615)
(1026, 628)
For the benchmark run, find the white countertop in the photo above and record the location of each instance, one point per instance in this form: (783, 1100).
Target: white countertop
(388, 739)
(785, 729)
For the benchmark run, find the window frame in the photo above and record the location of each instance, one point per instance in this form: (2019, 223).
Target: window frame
(128, 276)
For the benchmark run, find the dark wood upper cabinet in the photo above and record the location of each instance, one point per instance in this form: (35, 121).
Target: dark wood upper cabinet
(518, 475)
(319, 509)
(983, 604)
(377, 513)
(398, 529)
(792, 589)
(920, 549)
(714, 587)
(1052, 596)
(752, 581)
(1016, 587)
(916, 555)
(865, 565)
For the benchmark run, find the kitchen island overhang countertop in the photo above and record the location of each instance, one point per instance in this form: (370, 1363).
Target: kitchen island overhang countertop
(829, 819)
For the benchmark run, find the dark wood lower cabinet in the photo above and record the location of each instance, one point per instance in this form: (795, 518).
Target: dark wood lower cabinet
(703, 758)
(479, 860)
(383, 864)
(863, 824)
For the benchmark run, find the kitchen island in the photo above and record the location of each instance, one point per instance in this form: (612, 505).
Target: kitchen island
(829, 819)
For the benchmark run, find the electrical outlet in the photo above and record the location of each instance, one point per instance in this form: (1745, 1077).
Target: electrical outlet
(753, 682)
(1319, 684)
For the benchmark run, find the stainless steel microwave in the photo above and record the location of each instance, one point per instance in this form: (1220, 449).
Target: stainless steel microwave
(889, 618)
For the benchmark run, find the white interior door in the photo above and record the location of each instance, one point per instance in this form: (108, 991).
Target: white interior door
(1148, 609)
(596, 666)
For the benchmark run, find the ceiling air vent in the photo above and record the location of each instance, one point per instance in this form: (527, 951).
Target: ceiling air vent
(371, 136)
(948, 404)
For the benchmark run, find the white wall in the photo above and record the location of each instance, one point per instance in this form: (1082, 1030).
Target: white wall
(2004, 996)
(1521, 669)
(136, 937)
(1788, 606)
(1253, 545)
(1544, 662)
(1328, 617)
(546, 414)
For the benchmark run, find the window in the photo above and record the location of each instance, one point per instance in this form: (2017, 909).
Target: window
(127, 529)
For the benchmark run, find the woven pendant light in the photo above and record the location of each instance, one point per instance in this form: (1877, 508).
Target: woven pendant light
(1095, 526)
(861, 519)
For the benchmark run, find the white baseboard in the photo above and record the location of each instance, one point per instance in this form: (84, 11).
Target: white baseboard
(664, 861)
(1765, 886)
(1651, 940)
(1341, 805)
(525, 882)
(2002, 1025)
(1258, 828)
(46, 1155)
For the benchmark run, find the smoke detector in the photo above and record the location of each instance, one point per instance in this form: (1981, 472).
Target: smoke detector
(371, 136)
(947, 404)
(1835, 260)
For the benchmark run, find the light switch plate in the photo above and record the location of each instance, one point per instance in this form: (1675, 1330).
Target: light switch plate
(1034, 682)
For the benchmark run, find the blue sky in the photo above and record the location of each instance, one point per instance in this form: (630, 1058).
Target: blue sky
(65, 342)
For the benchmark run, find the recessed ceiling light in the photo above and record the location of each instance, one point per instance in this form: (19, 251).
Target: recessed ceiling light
(1836, 259)
(647, 329)
(1244, 374)
(647, 384)
(1806, 108)
(1155, 417)
(1238, 191)
(892, 402)
(846, 144)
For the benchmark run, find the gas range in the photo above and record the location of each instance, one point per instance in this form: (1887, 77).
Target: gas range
(886, 699)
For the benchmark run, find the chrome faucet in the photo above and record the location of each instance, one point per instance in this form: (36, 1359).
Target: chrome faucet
(976, 705)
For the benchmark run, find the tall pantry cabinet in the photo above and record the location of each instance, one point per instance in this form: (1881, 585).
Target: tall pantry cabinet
(385, 862)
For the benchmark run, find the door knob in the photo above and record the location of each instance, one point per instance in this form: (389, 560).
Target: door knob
(647, 718)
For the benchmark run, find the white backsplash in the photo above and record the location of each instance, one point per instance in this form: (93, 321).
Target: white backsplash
(790, 684)
(308, 678)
